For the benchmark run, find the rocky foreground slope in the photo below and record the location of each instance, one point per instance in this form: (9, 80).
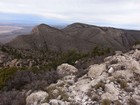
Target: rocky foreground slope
(116, 81)
(77, 36)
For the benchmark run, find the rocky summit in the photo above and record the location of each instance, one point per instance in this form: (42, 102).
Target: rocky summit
(116, 81)
(78, 36)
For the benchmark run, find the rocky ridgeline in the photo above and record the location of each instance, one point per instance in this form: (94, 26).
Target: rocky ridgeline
(114, 82)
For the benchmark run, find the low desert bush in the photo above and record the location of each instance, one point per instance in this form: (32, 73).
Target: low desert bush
(123, 83)
(106, 102)
(114, 61)
(100, 85)
(5, 75)
(29, 80)
(19, 79)
(12, 98)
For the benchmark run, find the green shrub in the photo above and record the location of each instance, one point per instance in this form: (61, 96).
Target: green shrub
(95, 98)
(123, 83)
(5, 74)
(137, 42)
(114, 62)
(98, 51)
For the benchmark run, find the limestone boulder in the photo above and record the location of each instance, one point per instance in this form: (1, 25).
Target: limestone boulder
(96, 70)
(58, 102)
(66, 69)
(109, 96)
(111, 89)
(127, 74)
(36, 98)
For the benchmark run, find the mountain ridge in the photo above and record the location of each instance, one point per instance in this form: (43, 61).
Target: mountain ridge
(77, 36)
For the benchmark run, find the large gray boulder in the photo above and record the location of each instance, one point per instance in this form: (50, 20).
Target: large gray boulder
(66, 69)
(45, 104)
(58, 102)
(110, 89)
(36, 98)
(96, 70)
(109, 96)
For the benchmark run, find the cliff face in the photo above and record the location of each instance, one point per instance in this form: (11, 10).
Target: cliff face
(81, 37)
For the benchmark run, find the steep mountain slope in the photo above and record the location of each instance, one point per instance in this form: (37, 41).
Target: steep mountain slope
(116, 39)
(81, 37)
(43, 37)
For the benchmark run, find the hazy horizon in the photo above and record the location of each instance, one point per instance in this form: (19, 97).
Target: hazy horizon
(120, 14)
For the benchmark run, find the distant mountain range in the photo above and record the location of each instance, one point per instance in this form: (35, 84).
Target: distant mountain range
(77, 36)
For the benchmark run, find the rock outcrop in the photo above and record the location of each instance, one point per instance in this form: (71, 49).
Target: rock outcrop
(117, 80)
(96, 70)
(36, 98)
(66, 69)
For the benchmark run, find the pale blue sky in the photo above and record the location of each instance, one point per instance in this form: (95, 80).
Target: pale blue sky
(115, 13)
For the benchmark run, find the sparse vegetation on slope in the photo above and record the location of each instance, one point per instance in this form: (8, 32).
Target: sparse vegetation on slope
(114, 81)
(42, 60)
